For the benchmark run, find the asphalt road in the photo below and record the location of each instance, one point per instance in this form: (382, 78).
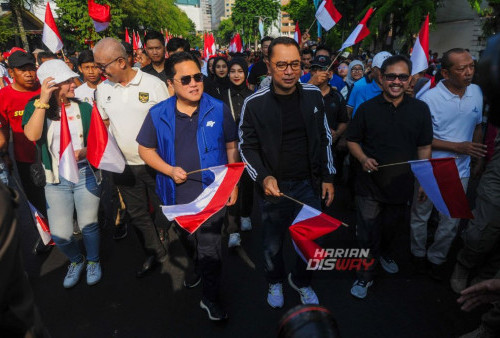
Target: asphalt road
(401, 305)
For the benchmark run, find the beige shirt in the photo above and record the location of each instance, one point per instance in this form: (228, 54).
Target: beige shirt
(126, 108)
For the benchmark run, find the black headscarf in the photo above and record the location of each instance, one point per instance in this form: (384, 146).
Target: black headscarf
(242, 63)
(221, 82)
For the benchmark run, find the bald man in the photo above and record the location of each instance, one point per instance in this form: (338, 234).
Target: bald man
(124, 100)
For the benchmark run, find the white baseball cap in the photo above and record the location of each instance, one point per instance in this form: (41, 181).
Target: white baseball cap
(57, 69)
(379, 59)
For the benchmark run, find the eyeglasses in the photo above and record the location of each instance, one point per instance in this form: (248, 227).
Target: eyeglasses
(393, 77)
(103, 67)
(342, 67)
(185, 80)
(356, 69)
(282, 66)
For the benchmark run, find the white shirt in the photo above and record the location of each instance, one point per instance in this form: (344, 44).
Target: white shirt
(75, 128)
(126, 108)
(454, 119)
(85, 94)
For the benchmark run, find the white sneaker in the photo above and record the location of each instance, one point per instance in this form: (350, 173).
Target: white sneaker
(307, 294)
(246, 224)
(234, 240)
(275, 295)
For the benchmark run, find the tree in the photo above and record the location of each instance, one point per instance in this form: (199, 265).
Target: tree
(17, 7)
(225, 32)
(245, 16)
(7, 30)
(302, 11)
(490, 13)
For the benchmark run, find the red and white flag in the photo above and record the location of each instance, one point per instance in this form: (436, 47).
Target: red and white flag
(127, 36)
(192, 215)
(134, 41)
(428, 85)
(236, 45)
(359, 33)
(309, 225)
(100, 14)
(297, 36)
(327, 15)
(41, 225)
(139, 41)
(209, 46)
(102, 150)
(51, 37)
(420, 55)
(68, 168)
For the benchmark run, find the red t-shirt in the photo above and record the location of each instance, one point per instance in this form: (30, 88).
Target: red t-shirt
(12, 103)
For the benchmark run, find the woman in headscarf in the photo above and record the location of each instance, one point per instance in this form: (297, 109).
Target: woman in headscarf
(238, 215)
(42, 124)
(356, 72)
(220, 80)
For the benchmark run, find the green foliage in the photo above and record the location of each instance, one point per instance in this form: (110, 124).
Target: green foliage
(76, 26)
(490, 13)
(245, 18)
(7, 29)
(303, 11)
(225, 32)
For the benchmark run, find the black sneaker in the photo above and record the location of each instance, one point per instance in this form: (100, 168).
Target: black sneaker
(120, 231)
(192, 280)
(215, 312)
(420, 264)
(436, 271)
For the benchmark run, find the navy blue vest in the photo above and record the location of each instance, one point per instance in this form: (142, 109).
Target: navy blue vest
(210, 139)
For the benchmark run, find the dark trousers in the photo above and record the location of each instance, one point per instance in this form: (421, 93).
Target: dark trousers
(137, 187)
(377, 226)
(112, 204)
(242, 207)
(35, 195)
(204, 247)
(277, 216)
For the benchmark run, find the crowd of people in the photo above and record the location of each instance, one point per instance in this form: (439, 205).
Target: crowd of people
(300, 117)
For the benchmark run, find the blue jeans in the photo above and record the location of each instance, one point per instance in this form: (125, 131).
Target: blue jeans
(277, 216)
(62, 198)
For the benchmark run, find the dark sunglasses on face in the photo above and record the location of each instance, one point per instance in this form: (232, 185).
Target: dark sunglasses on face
(185, 80)
(393, 77)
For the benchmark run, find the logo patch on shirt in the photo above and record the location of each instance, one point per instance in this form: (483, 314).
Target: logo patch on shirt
(475, 110)
(143, 97)
(210, 123)
(315, 110)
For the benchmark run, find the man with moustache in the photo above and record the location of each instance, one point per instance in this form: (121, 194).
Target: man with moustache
(392, 127)
(286, 142)
(155, 49)
(189, 131)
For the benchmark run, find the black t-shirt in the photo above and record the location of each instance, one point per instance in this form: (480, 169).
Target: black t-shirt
(335, 108)
(294, 155)
(389, 135)
(151, 70)
(258, 73)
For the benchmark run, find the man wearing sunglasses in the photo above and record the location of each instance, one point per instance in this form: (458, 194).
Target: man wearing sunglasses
(286, 143)
(189, 131)
(390, 128)
(124, 100)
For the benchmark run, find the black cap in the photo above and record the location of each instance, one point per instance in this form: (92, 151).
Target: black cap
(320, 61)
(128, 48)
(19, 59)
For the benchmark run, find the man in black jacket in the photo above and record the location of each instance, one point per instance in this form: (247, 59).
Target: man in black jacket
(285, 141)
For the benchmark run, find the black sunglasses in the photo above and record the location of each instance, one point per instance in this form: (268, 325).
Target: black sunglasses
(185, 80)
(393, 77)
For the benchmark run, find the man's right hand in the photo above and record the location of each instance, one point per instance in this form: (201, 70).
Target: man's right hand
(319, 78)
(471, 148)
(369, 164)
(178, 175)
(270, 185)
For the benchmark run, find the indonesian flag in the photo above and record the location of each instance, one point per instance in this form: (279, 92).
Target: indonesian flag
(127, 36)
(209, 46)
(359, 33)
(236, 45)
(41, 225)
(297, 36)
(67, 161)
(420, 55)
(167, 38)
(327, 15)
(100, 14)
(134, 41)
(192, 215)
(51, 37)
(102, 150)
(309, 225)
(440, 180)
(428, 85)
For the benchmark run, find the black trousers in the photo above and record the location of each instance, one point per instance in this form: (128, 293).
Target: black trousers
(137, 187)
(204, 247)
(35, 195)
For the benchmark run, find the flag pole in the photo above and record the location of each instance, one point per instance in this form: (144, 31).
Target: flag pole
(307, 31)
(299, 202)
(400, 163)
(331, 64)
(197, 171)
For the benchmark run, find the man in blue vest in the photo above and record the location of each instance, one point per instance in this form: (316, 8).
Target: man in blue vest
(174, 131)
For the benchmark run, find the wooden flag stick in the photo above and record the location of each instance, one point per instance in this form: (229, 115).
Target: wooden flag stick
(197, 171)
(299, 202)
(331, 64)
(400, 163)
(307, 31)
